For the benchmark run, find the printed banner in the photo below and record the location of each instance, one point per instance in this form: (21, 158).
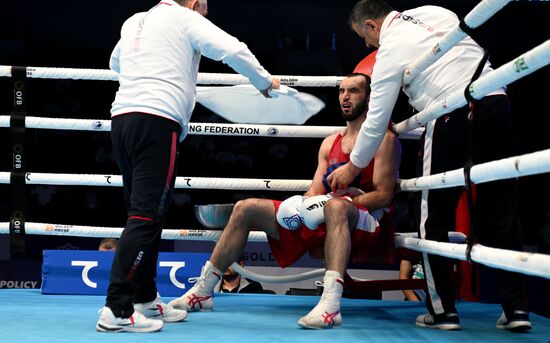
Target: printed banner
(87, 272)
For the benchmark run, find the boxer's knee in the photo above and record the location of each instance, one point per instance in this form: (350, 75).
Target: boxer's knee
(338, 210)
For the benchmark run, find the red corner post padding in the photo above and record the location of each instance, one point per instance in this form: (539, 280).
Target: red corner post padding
(366, 65)
(465, 270)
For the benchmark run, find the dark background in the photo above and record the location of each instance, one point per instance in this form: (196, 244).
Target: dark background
(289, 37)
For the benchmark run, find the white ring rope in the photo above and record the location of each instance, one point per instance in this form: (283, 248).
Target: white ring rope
(526, 263)
(524, 65)
(515, 261)
(115, 232)
(476, 17)
(182, 182)
(203, 78)
(287, 80)
(243, 184)
(205, 129)
(524, 165)
(63, 73)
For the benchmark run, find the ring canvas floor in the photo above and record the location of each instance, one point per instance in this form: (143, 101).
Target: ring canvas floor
(29, 316)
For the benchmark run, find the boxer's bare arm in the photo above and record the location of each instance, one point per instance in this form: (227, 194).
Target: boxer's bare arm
(317, 187)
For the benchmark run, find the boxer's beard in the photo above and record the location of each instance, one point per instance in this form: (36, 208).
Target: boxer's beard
(355, 112)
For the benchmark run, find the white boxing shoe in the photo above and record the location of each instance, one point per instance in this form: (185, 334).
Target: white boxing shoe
(199, 297)
(326, 314)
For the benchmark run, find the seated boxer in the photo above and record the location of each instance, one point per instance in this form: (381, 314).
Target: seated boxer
(346, 225)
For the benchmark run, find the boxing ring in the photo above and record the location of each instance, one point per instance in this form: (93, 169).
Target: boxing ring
(36, 317)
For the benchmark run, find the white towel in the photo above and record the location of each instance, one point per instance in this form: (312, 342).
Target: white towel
(244, 104)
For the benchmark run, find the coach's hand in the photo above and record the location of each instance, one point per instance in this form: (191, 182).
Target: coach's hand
(343, 176)
(275, 84)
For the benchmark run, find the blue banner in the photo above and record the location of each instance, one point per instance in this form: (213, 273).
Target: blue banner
(87, 272)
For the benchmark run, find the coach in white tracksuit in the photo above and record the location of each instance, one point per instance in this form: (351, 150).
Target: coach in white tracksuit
(157, 59)
(401, 38)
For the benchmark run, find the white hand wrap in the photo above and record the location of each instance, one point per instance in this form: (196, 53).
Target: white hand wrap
(288, 215)
(312, 211)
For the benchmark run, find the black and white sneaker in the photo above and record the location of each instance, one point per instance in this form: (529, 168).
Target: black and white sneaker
(444, 321)
(518, 321)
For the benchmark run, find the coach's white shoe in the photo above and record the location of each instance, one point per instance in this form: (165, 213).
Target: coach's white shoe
(156, 309)
(136, 323)
(327, 312)
(199, 297)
